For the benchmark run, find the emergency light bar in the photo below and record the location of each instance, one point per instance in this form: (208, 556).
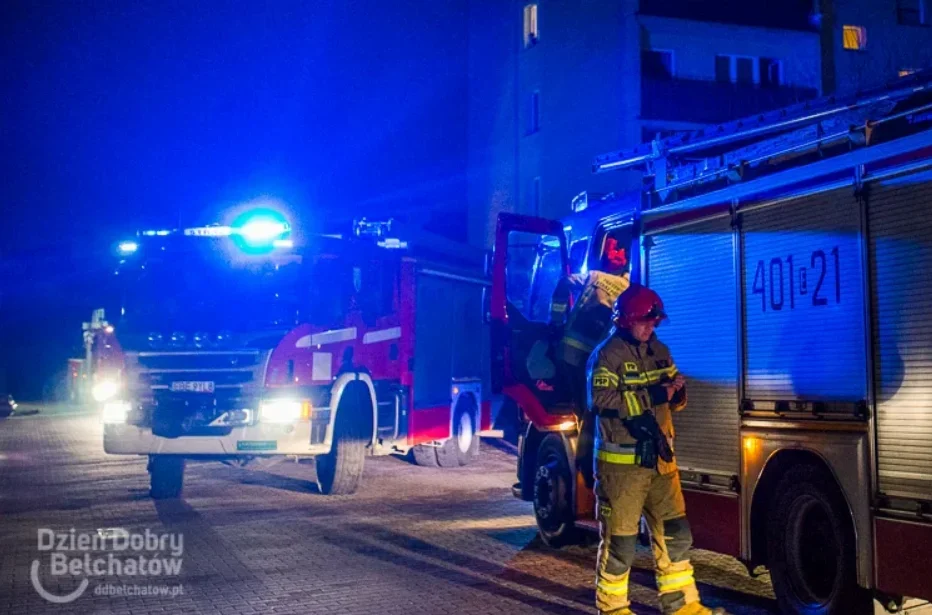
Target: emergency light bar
(254, 231)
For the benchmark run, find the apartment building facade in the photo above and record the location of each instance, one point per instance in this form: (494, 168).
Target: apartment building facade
(552, 84)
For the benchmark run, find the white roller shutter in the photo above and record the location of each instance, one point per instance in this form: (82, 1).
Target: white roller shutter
(803, 301)
(692, 268)
(900, 216)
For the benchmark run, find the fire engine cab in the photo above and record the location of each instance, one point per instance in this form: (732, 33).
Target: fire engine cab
(238, 342)
(791, 251)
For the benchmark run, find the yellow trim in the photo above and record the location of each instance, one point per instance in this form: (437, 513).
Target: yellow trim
(604, 378)
(634, 406)
(569, 341)
(675, 580)
(639, 379)
(628, 459)
(657, 374)
(614, 591)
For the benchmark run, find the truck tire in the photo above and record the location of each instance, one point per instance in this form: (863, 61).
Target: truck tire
(811, 547)
(166, 476)
(339, 471)
(463, 446)
(425, 455)
(552, 494)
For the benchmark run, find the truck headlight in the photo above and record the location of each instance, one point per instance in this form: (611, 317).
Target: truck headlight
(281, 410)
(116, 411)
(105, 390)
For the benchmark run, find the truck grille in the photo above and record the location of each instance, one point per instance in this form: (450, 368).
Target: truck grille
(237, 375)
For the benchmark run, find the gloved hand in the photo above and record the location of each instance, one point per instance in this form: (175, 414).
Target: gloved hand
(651, 443)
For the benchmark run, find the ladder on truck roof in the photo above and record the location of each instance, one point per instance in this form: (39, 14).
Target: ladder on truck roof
(710, 159)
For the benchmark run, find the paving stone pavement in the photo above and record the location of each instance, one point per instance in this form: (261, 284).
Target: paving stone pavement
(262, 540)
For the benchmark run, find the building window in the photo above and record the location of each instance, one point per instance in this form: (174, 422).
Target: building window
(535, 197)
(745, 70)
(912, 12)
(533, 123)
(906, 72)
(531, 31)
(854, 37)
(771, 72)
(657, 64)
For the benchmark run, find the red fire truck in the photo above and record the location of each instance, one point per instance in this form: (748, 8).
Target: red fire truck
(791, 252)
(239, 341)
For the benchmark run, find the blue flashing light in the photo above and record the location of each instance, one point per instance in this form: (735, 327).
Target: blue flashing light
(282, 243)
(128, 247)
(262, 230)
(259, 231)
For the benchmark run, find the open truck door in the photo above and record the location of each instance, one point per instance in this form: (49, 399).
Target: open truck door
(529, 261)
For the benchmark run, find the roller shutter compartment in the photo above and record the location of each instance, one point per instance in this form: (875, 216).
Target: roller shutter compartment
(692, 268)
(900, 217)
(803, 302)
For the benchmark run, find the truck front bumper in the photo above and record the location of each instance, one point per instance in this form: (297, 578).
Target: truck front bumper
(252, 440)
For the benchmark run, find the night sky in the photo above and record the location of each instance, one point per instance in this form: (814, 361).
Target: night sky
(119, 115)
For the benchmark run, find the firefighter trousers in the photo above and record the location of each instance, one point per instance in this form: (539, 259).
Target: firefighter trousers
(623, 492)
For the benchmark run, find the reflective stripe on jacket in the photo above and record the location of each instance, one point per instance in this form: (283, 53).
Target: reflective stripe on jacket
(625, 379)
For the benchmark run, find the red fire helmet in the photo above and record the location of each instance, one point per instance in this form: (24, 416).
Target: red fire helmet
(638, 303)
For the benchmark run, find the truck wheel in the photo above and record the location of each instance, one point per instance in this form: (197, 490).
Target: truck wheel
(166, 476)
(463, 447)
(425, 455)
(339, 471)
(553, 505)
(811, 547)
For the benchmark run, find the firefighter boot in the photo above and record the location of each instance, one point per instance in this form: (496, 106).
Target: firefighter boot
(697, 608)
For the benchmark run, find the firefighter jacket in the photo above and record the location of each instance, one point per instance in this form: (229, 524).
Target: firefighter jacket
(591, 316)
(626, 379)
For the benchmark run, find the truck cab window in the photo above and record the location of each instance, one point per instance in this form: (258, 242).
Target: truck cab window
(533, 271)
(578, 251)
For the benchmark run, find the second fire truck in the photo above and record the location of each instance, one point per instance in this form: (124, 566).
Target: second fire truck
(234, 343)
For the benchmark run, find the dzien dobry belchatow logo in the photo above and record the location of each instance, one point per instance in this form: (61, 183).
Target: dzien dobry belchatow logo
(106, 553)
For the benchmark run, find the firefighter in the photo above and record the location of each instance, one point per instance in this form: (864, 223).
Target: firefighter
(590, 319)
(634, 388)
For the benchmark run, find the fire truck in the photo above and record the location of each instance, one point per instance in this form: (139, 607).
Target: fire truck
(791, 251)
(238, 342)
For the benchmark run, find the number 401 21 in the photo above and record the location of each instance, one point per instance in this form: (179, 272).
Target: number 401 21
(784, 282)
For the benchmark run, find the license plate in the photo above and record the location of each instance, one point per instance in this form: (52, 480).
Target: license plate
(256, 445)
(191, 386)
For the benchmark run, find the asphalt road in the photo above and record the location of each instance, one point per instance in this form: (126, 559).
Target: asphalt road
(262, 540)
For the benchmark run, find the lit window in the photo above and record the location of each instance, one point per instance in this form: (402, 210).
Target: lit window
(855, 37)
(534, 113)
(531, 31)
(912, 12)
(906, 72)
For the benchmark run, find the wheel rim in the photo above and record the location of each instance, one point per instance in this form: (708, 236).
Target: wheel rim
(812, 551)
(464, 434)
(548, 487)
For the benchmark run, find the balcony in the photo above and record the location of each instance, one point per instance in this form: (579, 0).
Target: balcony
(713, 102)
(785, 15)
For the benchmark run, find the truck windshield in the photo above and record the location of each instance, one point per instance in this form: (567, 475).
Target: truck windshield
(193, 291)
